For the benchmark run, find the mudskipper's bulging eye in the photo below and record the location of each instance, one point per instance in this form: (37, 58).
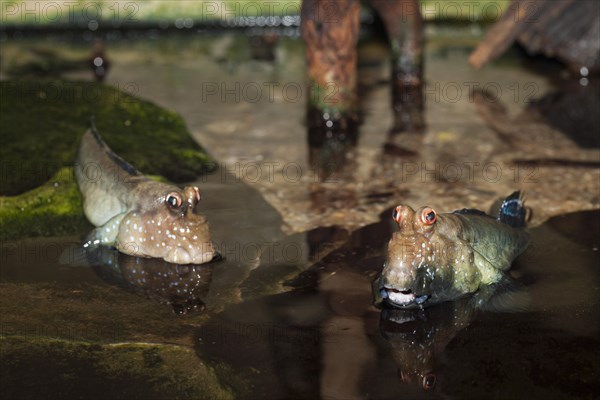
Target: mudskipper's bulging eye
(428, 381)
(174, 200)
(396, 214)
(428, 216)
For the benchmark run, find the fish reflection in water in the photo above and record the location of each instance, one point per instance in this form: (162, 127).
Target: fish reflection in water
(183, 287)
(418, 337)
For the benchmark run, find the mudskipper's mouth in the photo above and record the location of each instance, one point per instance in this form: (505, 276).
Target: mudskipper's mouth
(180, 255)
(402, 298)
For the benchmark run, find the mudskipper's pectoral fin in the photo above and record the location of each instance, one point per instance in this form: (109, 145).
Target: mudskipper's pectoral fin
(489, 270)
(466, 274)
(106, 234)
(75, 255)
(507, 295)
(85, 254)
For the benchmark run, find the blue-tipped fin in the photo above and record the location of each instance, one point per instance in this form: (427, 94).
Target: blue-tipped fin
(512, 211)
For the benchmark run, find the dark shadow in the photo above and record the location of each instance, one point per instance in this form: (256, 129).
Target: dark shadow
(573, 110)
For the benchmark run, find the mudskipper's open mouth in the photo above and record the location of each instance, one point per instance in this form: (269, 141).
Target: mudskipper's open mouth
(402, 298)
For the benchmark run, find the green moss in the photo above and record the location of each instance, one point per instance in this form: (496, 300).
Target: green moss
(43, 121)
(85, 370)
(53, 209)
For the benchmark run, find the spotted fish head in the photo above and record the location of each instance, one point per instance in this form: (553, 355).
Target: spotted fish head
(168, 227)
(414, 272)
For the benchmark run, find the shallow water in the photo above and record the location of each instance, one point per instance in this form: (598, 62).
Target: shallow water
(288, 312)
(271, 334)
(325, 338)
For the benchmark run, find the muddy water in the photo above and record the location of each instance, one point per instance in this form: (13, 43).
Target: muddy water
(538, 339)
(99, 324)
(300, 323)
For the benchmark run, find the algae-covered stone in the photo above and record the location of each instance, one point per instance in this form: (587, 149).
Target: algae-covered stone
(84, 338)
(84, 370)
(43, 120)
(53, 209)
(42, 123)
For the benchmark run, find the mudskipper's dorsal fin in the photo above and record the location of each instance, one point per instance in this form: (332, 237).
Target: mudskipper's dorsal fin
(512, 211)
(124, 165)
(471, 211)
(104, 178)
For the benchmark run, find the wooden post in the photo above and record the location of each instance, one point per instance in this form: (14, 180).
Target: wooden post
(404, 26)
(330, 32)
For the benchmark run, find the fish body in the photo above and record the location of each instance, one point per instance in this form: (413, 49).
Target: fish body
(137, 215)
(439, 257)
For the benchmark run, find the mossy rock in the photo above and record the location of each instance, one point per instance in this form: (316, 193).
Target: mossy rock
(53, 209)
(108, 371)
(43, 121)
